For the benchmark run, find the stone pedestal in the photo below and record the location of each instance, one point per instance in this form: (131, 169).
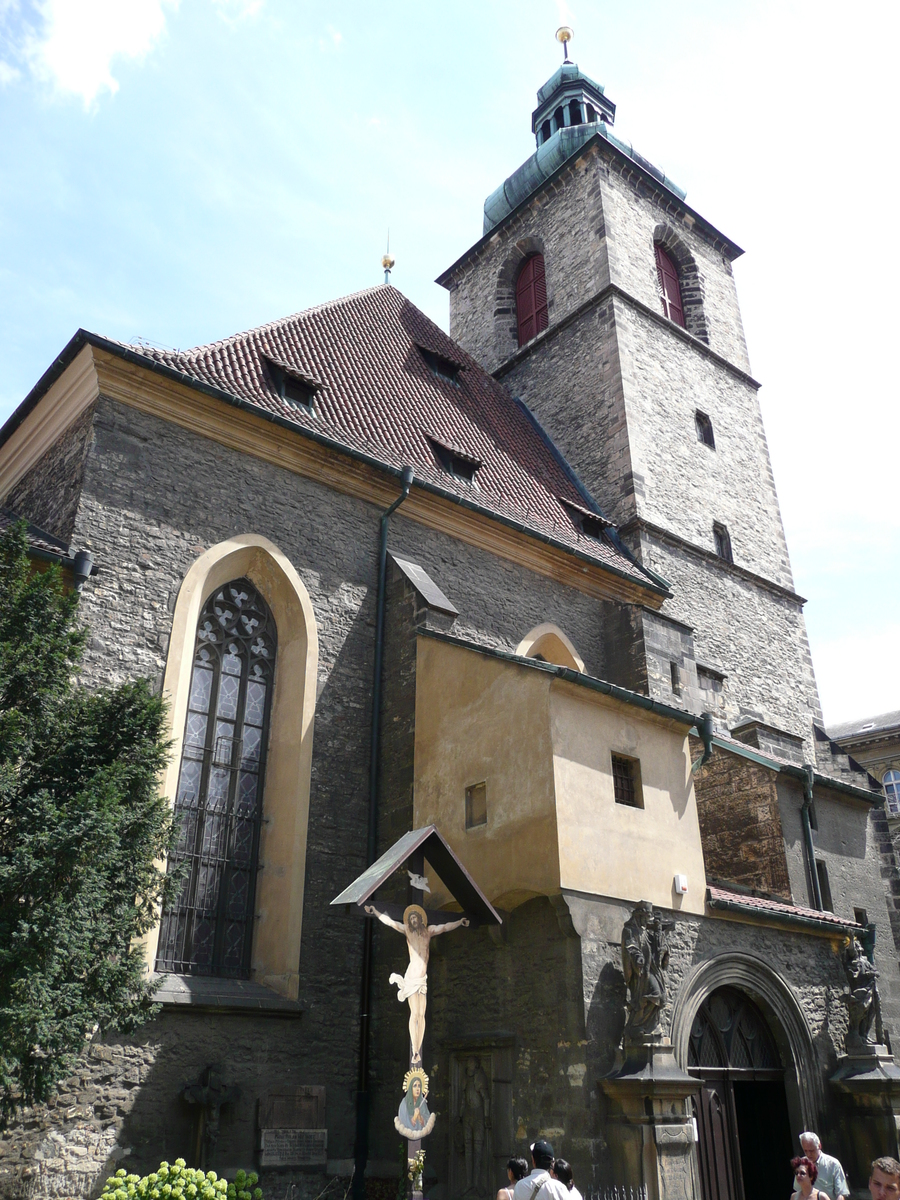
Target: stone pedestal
(651, 1129)
(867, 1081)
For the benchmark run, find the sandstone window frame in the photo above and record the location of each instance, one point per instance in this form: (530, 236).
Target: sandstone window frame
(275, 955)
(690, 280)
(548, 643)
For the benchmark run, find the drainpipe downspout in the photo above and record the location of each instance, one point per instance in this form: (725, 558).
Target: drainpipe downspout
(809, 780)
(361, 1149)
(705, 733)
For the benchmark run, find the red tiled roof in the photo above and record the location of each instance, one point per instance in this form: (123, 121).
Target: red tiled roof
(775, 907)
(38, 539)
(379, 396)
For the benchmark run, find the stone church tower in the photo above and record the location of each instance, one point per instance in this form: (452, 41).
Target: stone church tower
(608, 306)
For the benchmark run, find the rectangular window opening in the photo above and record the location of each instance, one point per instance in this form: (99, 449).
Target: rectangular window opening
(627, 781)
(476, 805)
(722, 540)
(704, 429)
(461, 466)
(442, 368)
(675, 672)
(860, 916)
(824, 886)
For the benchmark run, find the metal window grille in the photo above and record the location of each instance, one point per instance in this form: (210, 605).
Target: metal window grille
(624, 781)
(208, 928)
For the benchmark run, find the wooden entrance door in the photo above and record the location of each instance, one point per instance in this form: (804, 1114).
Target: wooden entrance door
(745, 1143)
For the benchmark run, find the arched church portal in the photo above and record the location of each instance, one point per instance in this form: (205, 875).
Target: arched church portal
(745, 1143)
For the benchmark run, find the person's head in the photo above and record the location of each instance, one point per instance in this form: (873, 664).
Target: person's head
(416, 1087)
(643, 911)
(415, 918)
(804, 1168)
(884, 1180)
(517, 1168)
(542, 1154)
(563, 1172)
(811, 1145)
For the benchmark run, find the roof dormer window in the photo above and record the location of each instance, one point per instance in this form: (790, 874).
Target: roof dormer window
(455, 462)
(591, 524)
(296, 390)
(442, 368)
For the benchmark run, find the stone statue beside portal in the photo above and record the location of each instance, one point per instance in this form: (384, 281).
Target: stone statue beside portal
(413, 986)
(413, 1120)
(475, 1118)
(645, 959)
(862, 996)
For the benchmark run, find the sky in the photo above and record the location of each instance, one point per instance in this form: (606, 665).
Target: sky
(178, 170)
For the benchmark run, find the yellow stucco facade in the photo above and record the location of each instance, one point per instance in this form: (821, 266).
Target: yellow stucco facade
(543, 748)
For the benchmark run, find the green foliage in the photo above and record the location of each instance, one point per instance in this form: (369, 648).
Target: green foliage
(82, 826)
(179, 1182)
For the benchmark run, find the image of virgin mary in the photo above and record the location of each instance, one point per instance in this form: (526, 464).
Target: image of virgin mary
(413, 1120)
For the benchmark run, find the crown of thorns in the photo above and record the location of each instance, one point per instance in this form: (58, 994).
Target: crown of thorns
(415, 1073)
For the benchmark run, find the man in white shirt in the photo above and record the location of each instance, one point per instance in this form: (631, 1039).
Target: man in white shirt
(542, 1161)
(830, 1178)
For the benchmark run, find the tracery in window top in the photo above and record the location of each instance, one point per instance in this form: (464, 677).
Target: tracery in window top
(208, 928)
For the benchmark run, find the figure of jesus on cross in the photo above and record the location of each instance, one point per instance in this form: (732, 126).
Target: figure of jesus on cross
(413, 986)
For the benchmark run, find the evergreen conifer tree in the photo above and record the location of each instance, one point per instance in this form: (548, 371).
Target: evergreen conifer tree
(82, 829)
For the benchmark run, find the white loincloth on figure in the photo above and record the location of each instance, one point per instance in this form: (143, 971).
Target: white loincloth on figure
(409, 986)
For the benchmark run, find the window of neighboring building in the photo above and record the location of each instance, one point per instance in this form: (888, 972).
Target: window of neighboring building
(704, 429)
(627, 781)
(476, 805)
(208, 928)
(722, 540)
(531, 299)
(824, 886)
(891, 784)
(669, 287)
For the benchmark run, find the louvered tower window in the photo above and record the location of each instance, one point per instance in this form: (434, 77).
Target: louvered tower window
(669, 287)
(531, 299)
(208, 928)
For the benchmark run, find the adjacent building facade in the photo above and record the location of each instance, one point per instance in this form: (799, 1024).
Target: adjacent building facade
(584, 662)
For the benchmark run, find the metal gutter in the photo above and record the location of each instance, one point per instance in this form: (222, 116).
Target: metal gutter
(576, 677)
(815, 888)
(83, 337)
(780, 918)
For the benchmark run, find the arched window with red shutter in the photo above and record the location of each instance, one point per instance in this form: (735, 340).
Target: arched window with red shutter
(531, 298)
(669, 287)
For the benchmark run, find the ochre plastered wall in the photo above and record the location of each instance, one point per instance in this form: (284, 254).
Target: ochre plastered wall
(543, 748)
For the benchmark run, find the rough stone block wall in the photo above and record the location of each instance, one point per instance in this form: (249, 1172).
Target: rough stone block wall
(153, 498)
(756, 636)
(740, 823)
(48, 493)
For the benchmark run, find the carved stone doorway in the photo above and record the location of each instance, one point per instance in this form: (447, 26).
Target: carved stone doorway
(745, 1142)
(481, 1133)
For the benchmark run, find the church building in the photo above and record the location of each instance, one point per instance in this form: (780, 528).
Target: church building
(526, 584)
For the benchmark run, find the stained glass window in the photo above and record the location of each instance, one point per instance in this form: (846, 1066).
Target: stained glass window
(208, 928)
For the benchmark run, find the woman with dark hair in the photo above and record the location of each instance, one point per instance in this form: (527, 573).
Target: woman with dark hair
(805, 1173)
(516, 1169)
(560, 1185)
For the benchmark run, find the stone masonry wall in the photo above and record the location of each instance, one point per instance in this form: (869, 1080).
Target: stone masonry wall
(49, 492)
(154, 497)
(740, 823)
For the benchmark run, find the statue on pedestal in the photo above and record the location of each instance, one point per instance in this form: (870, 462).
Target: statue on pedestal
(645, 959)
(861, 997)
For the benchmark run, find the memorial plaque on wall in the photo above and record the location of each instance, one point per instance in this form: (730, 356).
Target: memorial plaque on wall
(291, 1128)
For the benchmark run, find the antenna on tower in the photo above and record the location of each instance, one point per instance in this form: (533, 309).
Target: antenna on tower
(565, 34)
(388, 260)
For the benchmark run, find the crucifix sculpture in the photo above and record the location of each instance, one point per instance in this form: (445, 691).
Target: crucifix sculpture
(413, 1120)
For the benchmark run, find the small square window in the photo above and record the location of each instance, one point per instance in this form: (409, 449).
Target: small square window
(860, 916)
(627, 781)
(476, 805)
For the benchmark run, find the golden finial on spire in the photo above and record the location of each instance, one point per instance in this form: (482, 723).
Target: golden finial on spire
(565, 34)
(388, 260)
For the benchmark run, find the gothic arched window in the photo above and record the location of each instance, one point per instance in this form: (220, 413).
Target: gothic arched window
(891, 783)
(669, 286)
(531, 299)
(208, 927)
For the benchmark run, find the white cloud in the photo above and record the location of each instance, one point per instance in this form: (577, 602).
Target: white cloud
(80, 39)
(8, 74)
(233, 11)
